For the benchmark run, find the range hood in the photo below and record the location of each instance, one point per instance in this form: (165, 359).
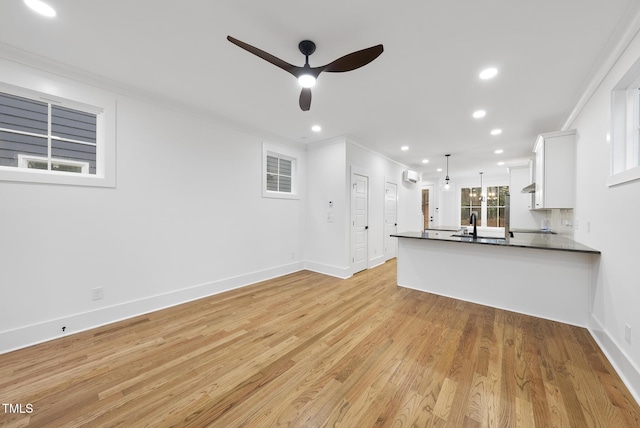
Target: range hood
(531, 188)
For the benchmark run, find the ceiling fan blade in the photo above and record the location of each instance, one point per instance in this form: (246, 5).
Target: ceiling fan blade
(305, 99)
(354, 60)
(265, 56)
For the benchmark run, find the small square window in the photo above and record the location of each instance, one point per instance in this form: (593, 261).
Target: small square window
(280, 169)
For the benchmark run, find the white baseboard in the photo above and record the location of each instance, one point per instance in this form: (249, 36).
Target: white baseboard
(376, 261)
(52, 329)
(623, 365)
(336, 271)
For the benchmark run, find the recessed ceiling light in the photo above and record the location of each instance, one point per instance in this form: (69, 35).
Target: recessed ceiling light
(41, 7)
(404, 148)
(500, 163)
(488, 73)
(499, 151)
(439, 169)
(496, 132)
(479, 114)
(425, 160)
(316, 128)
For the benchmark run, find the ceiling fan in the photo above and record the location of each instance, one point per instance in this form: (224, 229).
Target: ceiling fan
(306, 74)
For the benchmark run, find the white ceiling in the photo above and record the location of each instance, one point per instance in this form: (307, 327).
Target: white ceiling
(420, 92)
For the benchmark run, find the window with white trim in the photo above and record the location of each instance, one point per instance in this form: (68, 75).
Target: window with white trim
(64, 137)
(488, 202)
(279, 171)
(46, 136)
(625, 128)
(279, 174)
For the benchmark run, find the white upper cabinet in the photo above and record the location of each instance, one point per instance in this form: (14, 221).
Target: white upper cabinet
(555, 170)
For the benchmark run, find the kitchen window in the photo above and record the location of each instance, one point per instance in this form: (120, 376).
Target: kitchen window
(470, 201)
(496, 197)
(488, 202)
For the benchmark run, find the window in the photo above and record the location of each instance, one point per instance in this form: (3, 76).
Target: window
(487, 202)
(470, 202)
(496, 197)
(625, 128)
(44, 136)
(280, 164)
(47, 138)
(279, 174)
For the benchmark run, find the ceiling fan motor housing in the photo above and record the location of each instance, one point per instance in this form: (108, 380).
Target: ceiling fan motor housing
(307, 47)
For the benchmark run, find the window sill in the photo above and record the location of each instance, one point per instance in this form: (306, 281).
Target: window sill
(279, 195)
(627, 176)
(23, 175)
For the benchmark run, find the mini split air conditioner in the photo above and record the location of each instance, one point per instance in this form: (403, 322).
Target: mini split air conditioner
(410, 176)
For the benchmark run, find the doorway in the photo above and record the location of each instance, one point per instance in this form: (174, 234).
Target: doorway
(428, 211)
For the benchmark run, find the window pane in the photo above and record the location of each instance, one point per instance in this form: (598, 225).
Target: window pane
(503, 192)
(465, 214)
(36, 164)
(465, 196)
(478, 210)
(22, 114)
(501, 217)
(73, 124)
(492, 217)
(12, 145)
(75, 152)
(285, 167)
(285, 184)
(272, 182)
(272, 164)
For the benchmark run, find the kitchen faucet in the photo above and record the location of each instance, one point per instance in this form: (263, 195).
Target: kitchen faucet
(474, 221)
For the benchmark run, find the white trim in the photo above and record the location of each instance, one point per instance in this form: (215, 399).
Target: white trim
(48, 330)
(37, 84)
(23, 162)
(622, 364)
(627, 176)
(280, 151)
(335, 271)
(618, 43)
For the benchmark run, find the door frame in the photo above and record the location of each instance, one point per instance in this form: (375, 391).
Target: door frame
(432, 209)
(389, 180)
(354, 170)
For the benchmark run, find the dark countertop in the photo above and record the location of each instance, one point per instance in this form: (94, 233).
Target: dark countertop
(543, 241)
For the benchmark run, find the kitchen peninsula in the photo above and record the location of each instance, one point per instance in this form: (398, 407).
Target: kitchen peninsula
(539, 274)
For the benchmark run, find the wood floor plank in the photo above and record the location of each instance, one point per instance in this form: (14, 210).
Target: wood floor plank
(308, 350)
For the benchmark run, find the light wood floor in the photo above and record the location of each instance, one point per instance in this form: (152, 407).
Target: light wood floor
(307, 350)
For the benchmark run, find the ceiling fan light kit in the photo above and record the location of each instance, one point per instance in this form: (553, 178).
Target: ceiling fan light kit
(306, 74)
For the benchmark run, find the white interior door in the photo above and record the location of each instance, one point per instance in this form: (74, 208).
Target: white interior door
(359, 221)
(390, 219)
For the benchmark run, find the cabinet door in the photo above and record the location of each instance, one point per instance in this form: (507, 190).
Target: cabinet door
(539, 166)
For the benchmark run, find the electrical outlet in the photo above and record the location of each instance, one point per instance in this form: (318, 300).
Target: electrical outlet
(627, 333)
(97, 293)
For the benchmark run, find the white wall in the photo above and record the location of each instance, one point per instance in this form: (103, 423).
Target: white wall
(612, 213)
(187, 219)
(328, 179)
(378, 169)
(327, 239)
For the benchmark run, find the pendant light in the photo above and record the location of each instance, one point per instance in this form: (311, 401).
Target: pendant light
(446, 180)
(482, 198)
